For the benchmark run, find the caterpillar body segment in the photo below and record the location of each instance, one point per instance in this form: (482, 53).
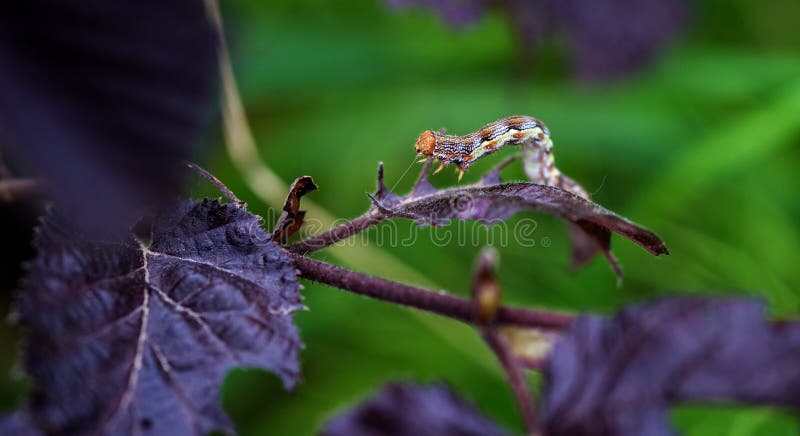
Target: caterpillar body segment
(465, 149)
(528, 132)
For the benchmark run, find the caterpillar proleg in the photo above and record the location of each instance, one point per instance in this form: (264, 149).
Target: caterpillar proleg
(528, 132)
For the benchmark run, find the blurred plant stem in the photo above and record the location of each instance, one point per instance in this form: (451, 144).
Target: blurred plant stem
(20, 189)
(487, 315)
(243, 152)
(516, 377)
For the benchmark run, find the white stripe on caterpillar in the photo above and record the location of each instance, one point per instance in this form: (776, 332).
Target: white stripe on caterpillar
(528, 132)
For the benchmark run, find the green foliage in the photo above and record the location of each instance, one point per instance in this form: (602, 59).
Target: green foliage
(701, 147)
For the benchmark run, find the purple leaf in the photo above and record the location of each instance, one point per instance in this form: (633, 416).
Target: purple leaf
(106, 101)
(126, 338)
(458, 13)
(611, 37)
(584, 246)
(587, 239)
(618, 376)
(404, 409)
(17, 424)
(491, 201)
(606, 37)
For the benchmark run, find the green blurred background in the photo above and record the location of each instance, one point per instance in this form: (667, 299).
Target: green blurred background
(701, 147)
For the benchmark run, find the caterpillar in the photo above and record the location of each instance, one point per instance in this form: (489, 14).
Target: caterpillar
(528, 132)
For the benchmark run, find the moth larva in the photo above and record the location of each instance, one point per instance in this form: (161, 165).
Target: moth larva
(466, 149)
(528, 132)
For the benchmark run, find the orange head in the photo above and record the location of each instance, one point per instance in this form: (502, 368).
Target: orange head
(425, 143)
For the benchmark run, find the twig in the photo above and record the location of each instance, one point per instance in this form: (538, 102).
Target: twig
(268, 187)
(373, 216)
(516, 377)
(486, 295)
(15, 189)
(227, 193)
(423, 299)
(338, 233)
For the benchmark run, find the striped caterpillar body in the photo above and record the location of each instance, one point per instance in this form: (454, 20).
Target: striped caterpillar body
(525, 131)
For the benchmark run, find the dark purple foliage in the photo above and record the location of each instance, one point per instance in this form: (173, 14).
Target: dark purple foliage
(404, 409)
(611, 37)
(457, 12)
(491, 201)
(104, 99)
(126, 338)
(606, 38)
(17, 424)
(618, 376)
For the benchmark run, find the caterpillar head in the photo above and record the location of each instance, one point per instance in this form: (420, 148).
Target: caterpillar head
(425, 143)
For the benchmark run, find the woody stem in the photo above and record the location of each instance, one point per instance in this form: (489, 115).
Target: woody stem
(427, 300)
(338, 233)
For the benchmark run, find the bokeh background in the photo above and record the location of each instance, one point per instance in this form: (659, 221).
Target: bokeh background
(699, 144)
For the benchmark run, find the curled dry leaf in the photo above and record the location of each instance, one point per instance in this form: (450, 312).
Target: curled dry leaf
(292, 217)
(618, 376)
(405, 409)
(491, 201)
(126, 338)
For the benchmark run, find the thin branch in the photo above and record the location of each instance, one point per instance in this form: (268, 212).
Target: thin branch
(16, 189)
(267, 186)
(516, 377)
(264, 183)
(486, 295)
(338, 233)
(375, 215)
(423, 299)
(227, 193)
